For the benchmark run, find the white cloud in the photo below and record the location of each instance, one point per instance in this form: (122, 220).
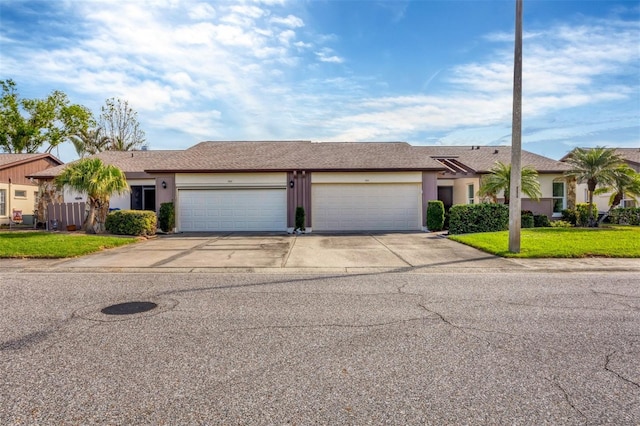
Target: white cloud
(289, 21)
(202, 11)
(326, 55)
(248, 70)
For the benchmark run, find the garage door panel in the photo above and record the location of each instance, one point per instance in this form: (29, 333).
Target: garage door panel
(360, 207)
(232, 210)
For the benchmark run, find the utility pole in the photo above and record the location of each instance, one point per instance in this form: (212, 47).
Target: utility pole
(515, 203)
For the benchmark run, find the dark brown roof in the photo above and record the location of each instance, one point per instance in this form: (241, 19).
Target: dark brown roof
(128, 161)
(297, 155)
(479, 159)
(10, 160)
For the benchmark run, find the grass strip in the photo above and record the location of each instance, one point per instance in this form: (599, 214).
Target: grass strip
(614, 241)
(47, 245)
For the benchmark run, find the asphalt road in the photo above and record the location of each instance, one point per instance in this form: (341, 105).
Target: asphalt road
(379, 348)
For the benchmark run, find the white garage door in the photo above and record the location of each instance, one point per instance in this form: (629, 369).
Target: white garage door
(366, 207)
(232, 210)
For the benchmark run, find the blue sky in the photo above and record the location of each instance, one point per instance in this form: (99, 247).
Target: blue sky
(425, 72)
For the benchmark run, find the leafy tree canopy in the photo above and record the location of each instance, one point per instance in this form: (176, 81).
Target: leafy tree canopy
(27, 125)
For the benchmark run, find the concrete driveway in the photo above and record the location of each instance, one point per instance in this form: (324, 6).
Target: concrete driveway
(315, 253)
(397, 251)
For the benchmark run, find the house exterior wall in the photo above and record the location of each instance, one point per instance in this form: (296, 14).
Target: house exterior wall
(18, 173)
(12, 201)
(429, 192)
(298, 196)
(367, 177)
(123, 201)
(221, 180)
(168, 194)
(460, 188)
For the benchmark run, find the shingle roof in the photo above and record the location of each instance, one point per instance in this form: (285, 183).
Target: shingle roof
(7, 159)
(127, 161)
(296, 155)
(630, 154)
(480, 159)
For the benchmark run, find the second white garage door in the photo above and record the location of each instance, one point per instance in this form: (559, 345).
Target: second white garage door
(232, 210)
(366, 207)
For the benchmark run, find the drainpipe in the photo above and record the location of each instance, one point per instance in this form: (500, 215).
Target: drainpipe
(9, 212)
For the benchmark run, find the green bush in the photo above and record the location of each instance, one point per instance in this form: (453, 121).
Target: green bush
(167, 217)
(435, 215)
(570, 216)
(582, 214)
(526, 219)
(300, 215)
(131, 222)
(625, 216)
(486, 217)
(541, 221)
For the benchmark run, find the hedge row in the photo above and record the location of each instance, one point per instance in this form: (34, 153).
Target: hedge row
(485, 217)
(131, 222)
(625, 216)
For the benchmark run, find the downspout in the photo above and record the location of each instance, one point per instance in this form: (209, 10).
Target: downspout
(9, 211)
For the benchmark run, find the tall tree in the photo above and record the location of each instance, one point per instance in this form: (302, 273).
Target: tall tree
(595, 167)
(27, 125)
(499, 180)
(119, 123)
(98, 181)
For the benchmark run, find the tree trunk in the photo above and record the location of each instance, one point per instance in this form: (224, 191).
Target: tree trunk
(91, 216)
(101, 217)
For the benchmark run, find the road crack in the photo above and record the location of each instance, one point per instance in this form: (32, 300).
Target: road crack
(607, 360)
(567, 398)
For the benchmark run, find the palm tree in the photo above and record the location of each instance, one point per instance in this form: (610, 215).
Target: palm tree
(595, 166)
(499, 180)
(626, 184)
(98, 181)
(89, 142)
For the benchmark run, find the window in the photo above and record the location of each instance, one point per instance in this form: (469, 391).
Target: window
(19, 193)
(628, 203)
(470, 194)
(3, 202)
(559, 199)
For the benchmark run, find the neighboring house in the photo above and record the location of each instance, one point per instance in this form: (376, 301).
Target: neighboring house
(465, 166)
(632, 158)
(142, 194)
(17, 191)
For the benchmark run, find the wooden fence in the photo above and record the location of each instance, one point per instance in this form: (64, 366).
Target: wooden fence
(61, 215)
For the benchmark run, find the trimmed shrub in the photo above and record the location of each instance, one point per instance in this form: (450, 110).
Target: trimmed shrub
(167, 217)
(131, 222)
(570, 216)
(435, 215)
(541, 221)
(300, 215)
(526, 219)
(625, 216)
(582, 214)
(486, 217)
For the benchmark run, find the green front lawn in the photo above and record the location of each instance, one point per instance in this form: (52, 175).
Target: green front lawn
(18, 244)
(615, 241)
